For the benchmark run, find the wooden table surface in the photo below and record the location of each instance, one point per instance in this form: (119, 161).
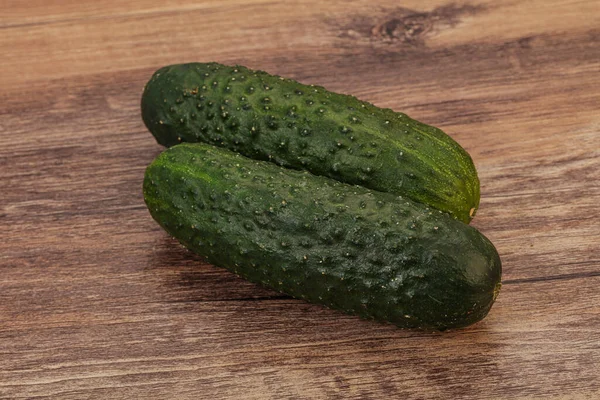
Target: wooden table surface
(96, 301)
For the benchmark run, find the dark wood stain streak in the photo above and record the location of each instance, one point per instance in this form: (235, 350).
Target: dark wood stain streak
(404, 27)
(582, 275)
(96, 301)
(266, 298)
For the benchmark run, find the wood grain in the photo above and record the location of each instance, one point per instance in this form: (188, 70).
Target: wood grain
(97, 302)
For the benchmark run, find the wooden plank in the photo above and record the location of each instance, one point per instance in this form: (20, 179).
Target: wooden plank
(528, 165)
(97, 302)
(42, 12)
(279, 30)
(130, 331)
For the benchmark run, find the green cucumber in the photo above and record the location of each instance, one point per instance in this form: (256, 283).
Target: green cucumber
(297, 126)
(369, 253)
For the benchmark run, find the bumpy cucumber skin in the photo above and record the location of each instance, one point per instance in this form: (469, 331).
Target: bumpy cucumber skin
(266, 117)
(369, 253)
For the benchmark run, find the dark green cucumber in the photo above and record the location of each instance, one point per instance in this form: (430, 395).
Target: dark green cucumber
(266, 117)
(364, 252)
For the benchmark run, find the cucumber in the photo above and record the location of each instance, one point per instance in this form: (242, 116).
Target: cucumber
(297, 126)
(368, 253)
